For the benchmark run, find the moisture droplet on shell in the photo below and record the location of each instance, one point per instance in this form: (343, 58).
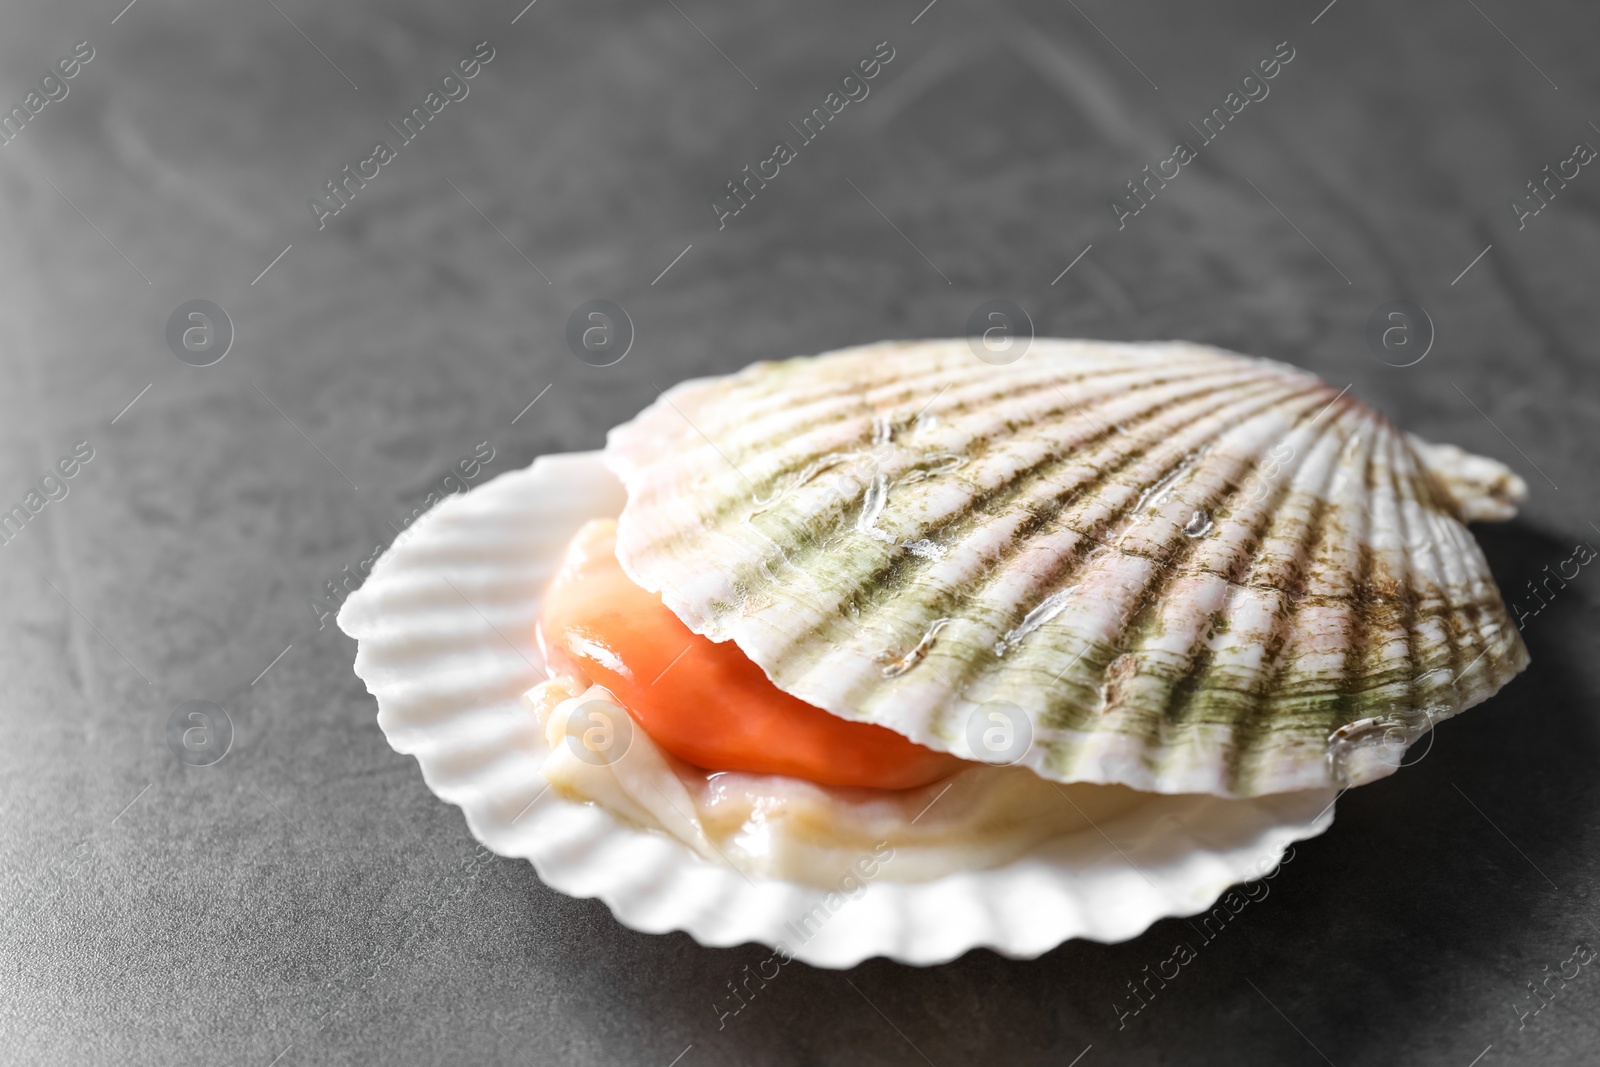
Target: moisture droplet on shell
(1199, 524)
(1047, 609)
(912, 658)
(872, 504)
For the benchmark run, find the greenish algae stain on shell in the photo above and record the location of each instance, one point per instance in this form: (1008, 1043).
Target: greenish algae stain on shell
(1250, 583)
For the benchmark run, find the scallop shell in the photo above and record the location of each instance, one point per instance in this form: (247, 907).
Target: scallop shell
(445, 633)
(1192, 571)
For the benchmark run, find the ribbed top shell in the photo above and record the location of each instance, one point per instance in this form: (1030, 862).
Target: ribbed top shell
(1191, 571)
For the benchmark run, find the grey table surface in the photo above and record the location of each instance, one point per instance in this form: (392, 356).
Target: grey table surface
(307, 900)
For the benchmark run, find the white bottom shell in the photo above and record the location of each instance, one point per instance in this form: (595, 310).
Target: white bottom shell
(445, 632)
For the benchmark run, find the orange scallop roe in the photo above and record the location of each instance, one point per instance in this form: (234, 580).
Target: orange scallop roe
(702, 700)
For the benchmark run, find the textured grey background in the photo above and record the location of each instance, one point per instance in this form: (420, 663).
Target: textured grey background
(308, 899)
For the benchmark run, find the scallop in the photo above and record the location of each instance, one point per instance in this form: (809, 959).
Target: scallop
(1192, 571)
